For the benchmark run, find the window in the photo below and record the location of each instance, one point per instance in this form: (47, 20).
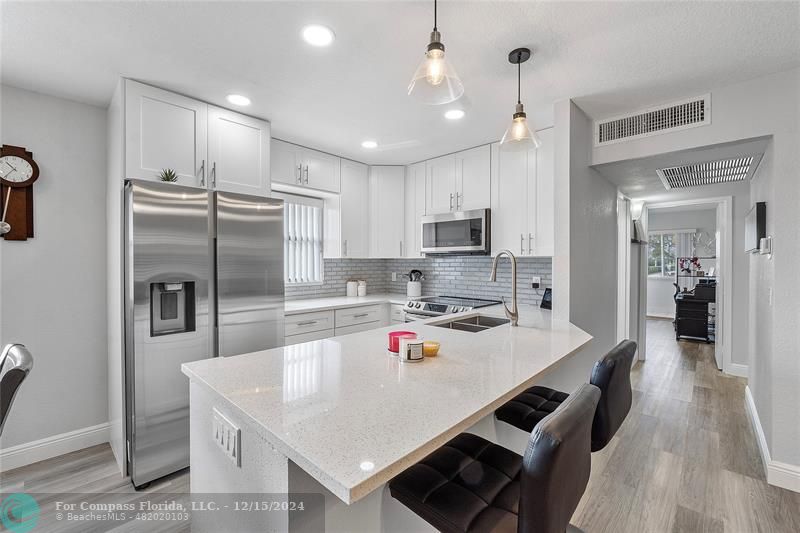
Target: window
(664, 248)
(302, 239)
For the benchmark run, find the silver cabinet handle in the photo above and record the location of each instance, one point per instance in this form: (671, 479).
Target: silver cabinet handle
(521, 244)
(459, 200)
(344, 245)
(306, 174)
(401, 248)
(361, 315)
(530, 246)
(203, 173)
(300, 174)
(214, 174)
(451, 201)
(307, 323)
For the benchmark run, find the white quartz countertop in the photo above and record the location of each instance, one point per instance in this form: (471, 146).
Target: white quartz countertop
(352, 416)
(294, 307)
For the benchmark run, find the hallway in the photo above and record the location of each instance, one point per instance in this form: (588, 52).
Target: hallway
(686, 459)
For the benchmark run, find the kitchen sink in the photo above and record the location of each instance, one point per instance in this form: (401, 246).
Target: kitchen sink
(474, 324)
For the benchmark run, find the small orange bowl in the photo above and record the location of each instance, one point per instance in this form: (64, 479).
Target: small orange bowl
(430, 348)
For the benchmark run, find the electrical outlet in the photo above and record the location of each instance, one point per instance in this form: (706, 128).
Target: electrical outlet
(536, 281)
(228, 438)
(394, 276)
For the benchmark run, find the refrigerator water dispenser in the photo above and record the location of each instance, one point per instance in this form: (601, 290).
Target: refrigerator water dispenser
(171, 308)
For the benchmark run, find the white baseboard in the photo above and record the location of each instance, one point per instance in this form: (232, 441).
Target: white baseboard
(736, 369)
(39, 450)
(779, 474)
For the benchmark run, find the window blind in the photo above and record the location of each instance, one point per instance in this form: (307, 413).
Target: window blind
(302, 239)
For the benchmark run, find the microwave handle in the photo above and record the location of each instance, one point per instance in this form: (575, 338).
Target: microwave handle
(521, 244)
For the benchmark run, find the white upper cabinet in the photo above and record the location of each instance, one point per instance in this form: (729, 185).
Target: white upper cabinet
(459, 182)
(354, 205)
(509, 200)
(321, 171)
(414, 209)
(238, 152)
(523, 217)
(544, 228)
(441, 185)
(386, 211)
(303, 167)
(164, 130)
(473, 179)
(285, 164)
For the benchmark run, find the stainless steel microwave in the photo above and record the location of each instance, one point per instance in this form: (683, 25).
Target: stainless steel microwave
(457, 233)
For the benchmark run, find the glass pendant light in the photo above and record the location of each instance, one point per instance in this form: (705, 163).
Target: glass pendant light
(519, 135)
(435, 82)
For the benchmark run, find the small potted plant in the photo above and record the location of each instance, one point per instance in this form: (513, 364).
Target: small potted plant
(168, 175)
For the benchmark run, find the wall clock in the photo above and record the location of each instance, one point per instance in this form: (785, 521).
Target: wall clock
(18, 172)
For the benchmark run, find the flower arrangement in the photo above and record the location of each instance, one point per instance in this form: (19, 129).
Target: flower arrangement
(688, 264)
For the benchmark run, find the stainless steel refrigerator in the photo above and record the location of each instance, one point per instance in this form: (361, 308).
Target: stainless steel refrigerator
(203, 278)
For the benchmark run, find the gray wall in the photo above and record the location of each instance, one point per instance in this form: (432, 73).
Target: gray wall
(53, 286)
(459, 276)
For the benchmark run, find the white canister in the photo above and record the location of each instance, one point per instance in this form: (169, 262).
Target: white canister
(352, 288)
(362, 287)
(414, 289)
(411, 350)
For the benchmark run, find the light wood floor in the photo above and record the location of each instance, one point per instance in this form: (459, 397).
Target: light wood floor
(685, 460)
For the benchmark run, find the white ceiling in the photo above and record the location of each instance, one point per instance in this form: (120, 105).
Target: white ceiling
(610, 56)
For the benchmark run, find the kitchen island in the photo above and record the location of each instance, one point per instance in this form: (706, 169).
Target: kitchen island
(342, 417)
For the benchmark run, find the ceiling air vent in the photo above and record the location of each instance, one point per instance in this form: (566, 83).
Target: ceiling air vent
(709, 173)
(682, 115)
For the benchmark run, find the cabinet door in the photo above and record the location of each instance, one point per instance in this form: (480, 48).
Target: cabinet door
(473, 179)
(164, 130)
(355, 209)
(321, 171)
(414, 209)
(387, 204)
(285, 162)
(441, 185)
(541, 221)
(238, 152)
(509, 200)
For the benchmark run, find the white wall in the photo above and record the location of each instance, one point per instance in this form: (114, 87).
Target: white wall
(766, 106)
(585, 261)
(53, 286)
(660, 290)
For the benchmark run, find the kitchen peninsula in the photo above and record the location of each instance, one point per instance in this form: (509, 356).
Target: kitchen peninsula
(341, 417)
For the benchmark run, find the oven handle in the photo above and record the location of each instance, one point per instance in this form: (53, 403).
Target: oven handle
(411, 317)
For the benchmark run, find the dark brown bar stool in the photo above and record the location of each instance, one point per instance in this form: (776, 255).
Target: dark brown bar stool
(611, 374)
(471, 484)
(15, 364)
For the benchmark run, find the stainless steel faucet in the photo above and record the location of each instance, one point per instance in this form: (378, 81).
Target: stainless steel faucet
(513, 313)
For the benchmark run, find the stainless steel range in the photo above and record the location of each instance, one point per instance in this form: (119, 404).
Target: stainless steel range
(431, 306)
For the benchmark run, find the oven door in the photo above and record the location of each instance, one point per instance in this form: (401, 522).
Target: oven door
(462, 232)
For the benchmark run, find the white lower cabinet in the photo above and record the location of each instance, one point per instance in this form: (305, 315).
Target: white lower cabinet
(308, 337)
(397, 314)
(315, 325)
(523, 218)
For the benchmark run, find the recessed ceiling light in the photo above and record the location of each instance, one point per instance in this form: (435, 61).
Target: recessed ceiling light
(318, 35)
(454, 114)
(369, 144)
(238, 99)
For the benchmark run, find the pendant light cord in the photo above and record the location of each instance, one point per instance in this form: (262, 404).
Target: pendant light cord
(519, 77)
(434, 15)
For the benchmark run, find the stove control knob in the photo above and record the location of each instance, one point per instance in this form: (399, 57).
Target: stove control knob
(418, 305)
(410, 304)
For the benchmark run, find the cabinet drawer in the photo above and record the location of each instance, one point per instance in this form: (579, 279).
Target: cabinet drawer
(344, 330)
(397, 314)
(308, 322)
(306, 337)
(359, 315)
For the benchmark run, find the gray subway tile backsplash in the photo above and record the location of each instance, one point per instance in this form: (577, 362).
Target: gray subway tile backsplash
(456, 276)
